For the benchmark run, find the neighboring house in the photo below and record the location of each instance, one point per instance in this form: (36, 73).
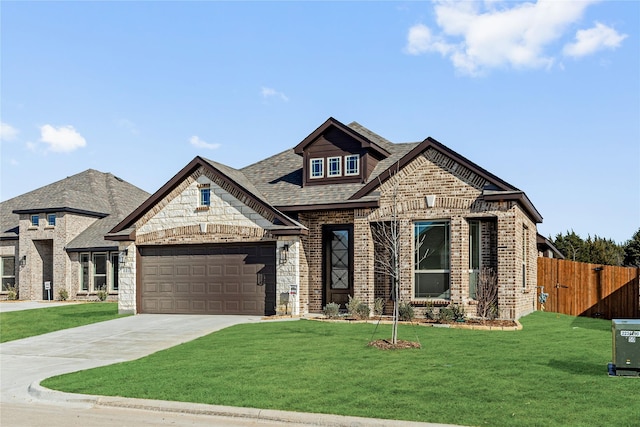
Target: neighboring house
(546, 249)
(293, 232)
(55, 234)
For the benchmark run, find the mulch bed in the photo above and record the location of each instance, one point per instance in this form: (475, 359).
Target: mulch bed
(388, 345)
(496, 322)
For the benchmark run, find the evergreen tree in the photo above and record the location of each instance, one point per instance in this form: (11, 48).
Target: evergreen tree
(571, 246)
(596, 250)
(632, 251)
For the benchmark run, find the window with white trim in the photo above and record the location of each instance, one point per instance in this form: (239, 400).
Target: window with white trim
(35, 220)
(352, 165)
(113, 285)
(99, 271)
(205, 196)
(317, 168)
(334, 166)
(84, 272)
(431, 260)
(8, 272)
(51, 220)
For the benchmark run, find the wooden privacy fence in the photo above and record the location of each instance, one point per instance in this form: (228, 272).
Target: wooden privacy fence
(593, 290)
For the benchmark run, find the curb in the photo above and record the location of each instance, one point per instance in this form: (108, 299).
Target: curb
(253, 414)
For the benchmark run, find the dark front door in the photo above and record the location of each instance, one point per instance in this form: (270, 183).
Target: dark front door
(338, 263)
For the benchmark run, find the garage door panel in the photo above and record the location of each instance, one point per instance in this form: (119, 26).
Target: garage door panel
(211, 279)
(197, 288)
(182, 288)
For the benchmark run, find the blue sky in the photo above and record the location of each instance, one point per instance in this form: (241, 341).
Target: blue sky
(546, 95)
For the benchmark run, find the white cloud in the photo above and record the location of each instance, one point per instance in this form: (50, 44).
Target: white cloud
(479, 36)
(268, 92)
(198, 143)
(62, 139)
(594, 39)
(7, 132)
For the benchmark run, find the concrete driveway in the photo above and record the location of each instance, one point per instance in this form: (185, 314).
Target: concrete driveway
(24, 363)
(33, 359)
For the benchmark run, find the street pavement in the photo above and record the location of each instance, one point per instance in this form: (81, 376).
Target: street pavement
(24, 363)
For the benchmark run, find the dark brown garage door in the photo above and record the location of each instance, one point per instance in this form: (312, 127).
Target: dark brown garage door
(208, 279)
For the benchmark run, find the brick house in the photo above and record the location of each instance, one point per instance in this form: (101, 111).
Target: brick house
(55, 234)
(295, 231)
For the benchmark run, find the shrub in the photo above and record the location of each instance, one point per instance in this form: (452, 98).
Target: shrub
(358, 309)
(406, 312)
(430, 311)
(12, 293)
(102, 295)
(378, 306)
(331, 310)
(452, 312)
(63, 295)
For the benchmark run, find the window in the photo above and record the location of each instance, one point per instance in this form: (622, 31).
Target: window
(525, 254)
(51, 220)
(84, 272)
(35, 220)
(474, 257)
(99, 271)
(334, 166)
(352, 165)
(431, 265)
(8, 272)
(205, 196)
(317, 168)
(114, 271)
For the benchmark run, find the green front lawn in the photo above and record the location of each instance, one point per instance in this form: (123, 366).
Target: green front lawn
(552, 373)
(15, 325)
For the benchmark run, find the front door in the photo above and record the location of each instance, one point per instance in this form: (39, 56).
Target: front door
(338, 263)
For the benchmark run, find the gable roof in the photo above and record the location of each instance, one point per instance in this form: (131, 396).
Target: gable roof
(360, 137)
(279, 178)
(123, 229)
(275, 183)
(90, 193)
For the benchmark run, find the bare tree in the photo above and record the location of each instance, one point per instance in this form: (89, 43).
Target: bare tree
(487, 294)
(388, 233)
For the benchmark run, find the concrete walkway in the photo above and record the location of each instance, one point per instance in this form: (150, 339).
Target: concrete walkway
(24, 363)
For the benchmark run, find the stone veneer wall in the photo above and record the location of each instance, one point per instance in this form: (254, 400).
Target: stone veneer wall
(127, 279)
(288, 276)
(179, 219)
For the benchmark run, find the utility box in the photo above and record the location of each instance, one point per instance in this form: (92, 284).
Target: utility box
(626, 347)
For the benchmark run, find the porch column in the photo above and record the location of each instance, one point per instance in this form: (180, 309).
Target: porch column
(288, 275)
(459, 262)
(507, 271)
(127, 278)
(363, 258)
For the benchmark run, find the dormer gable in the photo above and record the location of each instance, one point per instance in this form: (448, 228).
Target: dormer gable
(337, 154)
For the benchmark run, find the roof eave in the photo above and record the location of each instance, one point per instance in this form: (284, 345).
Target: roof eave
(516, 196)
(357, 204)
(61, 209)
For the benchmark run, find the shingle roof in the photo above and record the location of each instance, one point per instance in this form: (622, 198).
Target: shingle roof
(279, 178)
(91, 192)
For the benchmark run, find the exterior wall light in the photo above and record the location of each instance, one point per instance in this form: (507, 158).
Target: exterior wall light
(23, 261)
(122, 256)
(284, 254)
